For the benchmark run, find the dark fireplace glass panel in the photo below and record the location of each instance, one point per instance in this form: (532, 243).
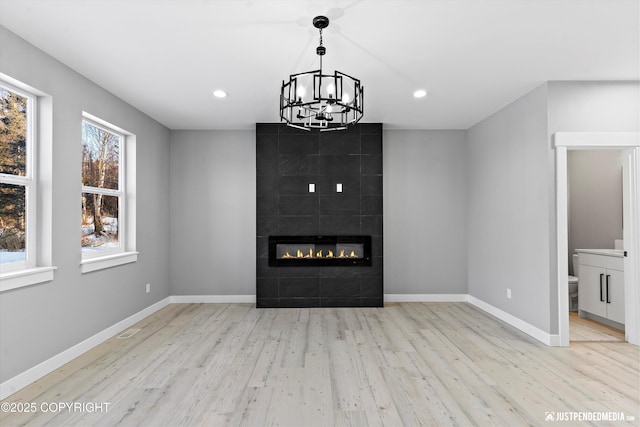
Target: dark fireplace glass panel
(319, 250)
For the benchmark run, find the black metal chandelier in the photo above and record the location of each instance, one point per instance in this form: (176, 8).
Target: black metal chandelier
(313, 100)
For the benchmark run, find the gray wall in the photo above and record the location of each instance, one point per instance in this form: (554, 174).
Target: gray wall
(508, 212)
(213, 212)
(512, 223)
(585, 107)
(595, 199)
(425, 194)
(40, 321)
(594, 107)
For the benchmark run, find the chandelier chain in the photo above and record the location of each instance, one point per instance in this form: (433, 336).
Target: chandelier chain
(320, 46)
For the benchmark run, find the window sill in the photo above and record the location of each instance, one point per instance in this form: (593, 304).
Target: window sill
(27, 277)
(100, 263)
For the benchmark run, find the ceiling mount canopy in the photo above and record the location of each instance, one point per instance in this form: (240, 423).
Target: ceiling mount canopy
(314, 100)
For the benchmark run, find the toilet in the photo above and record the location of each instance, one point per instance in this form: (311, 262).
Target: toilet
(573, 285)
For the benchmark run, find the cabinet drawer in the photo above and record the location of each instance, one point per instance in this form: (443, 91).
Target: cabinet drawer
(602, 261)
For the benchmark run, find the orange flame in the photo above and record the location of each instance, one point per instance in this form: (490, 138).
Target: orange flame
(319, 254)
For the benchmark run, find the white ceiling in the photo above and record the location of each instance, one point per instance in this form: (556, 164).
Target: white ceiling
(165, 57)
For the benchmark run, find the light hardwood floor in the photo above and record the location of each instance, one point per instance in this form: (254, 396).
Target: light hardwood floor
(582, 329)
(411, 364)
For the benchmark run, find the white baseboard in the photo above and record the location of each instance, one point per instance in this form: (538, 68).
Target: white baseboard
(213, 299)
(527, 328)
(14, 384)
(426, 297)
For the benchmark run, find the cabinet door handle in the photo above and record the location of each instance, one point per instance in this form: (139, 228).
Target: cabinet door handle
(601, 277)
(608, 300)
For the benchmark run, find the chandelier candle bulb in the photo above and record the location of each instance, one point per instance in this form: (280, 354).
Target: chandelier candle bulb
(300, 93)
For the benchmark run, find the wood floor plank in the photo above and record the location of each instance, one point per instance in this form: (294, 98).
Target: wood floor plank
(583, 329)
(431, 364)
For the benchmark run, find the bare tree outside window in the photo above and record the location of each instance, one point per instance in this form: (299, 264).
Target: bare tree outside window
(101, 197)
(13, 176)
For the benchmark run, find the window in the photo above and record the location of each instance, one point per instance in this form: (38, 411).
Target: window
(26, 116)
(18, 192)
(102, 195)
(105, 210)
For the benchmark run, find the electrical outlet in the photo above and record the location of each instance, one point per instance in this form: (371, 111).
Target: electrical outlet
(148, 287)
(508, 293)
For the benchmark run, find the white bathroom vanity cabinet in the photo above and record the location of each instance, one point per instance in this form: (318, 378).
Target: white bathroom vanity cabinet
(601, 284)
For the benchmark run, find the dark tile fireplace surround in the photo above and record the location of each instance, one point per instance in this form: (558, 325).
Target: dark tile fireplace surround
(288, 160)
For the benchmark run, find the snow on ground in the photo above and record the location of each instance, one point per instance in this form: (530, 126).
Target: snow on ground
(91, 242)
(12, 256)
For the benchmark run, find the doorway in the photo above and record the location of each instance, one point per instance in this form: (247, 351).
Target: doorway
(630, 141)
(595, 222)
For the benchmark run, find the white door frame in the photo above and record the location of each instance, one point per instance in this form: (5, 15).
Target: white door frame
(564, 141)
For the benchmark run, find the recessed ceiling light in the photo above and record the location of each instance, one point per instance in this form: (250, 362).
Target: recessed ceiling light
(218, 93)
(421, 93)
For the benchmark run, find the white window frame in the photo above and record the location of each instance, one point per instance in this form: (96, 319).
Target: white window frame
(29, 182)
(125, 252)
(37, 267)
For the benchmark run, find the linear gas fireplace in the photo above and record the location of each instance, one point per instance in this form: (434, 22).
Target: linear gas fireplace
(318, 251)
